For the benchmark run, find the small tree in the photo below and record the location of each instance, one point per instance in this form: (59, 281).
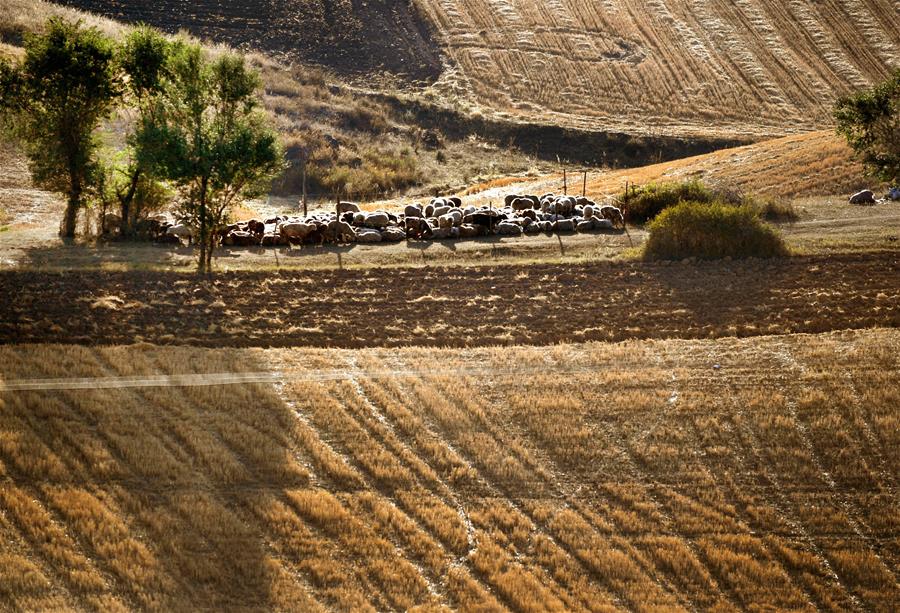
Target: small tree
(209, 136)
(56, 99)
(144, 60)
(870, 121)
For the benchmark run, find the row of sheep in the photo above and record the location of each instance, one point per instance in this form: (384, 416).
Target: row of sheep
(441, 218)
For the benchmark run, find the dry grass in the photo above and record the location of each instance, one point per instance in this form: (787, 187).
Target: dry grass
(812, 164)
(599, 477)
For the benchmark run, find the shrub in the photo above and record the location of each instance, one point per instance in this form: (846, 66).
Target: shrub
(771, 209)
(711, 231)
(648, 201)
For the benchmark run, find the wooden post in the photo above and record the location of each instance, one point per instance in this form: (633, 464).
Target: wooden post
(565, 186)
(584, 186)
(304, 188)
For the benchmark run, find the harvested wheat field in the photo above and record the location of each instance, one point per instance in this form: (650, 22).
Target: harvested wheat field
(676, 67)
(752, 474)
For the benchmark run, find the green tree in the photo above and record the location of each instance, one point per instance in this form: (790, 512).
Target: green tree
(56, 98)
(144, 61)
(209, 137)
(870, 121)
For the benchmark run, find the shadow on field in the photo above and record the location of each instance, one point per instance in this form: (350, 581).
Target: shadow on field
(455, 306)
(165, 490)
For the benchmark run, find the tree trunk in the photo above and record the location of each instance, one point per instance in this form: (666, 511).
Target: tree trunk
(72, 206)
(125, 202)
(204, 231)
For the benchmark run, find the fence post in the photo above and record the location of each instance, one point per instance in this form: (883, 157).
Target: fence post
(584, 186)
(565, 186)
(304, 188)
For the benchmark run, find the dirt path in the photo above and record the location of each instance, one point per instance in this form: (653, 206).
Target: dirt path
(535, 304)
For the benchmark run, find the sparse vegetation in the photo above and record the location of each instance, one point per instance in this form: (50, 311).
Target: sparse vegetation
(711, 231)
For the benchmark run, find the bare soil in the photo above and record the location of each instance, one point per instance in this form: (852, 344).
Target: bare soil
(455, 306)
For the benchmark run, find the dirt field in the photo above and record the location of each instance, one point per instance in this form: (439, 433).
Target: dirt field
(751, 474)
(458, 306)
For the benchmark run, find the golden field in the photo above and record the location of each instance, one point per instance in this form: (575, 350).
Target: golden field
(752, 474)
(753, 68)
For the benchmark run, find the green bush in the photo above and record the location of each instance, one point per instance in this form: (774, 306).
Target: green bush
(648, 201)
(711, 231)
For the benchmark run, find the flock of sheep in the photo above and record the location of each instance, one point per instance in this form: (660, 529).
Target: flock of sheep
(442, 218)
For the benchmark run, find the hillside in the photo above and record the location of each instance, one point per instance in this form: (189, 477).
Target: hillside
(354, 37)
(801, 166)
(712, 69)
(641, 476)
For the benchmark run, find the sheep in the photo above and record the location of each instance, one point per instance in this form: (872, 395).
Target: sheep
(346, 207)
(296, 230)
(521, 204)
(565, 225)
(445, 221)
(359, 219)
(455, 201)
(508, 228)
(393, 234)
(412, 210)
(441, 210)
(428, 211)
(416, 227)
(240, 238)
(376, 220)
(588, 211)
(585, 225)
(181, 232)
(367, 235)
(866, 196)
(273, 240)
(255, 226)
(613, 214)
(339, 232)
(602, 224)
(443, 233)
(468, 231)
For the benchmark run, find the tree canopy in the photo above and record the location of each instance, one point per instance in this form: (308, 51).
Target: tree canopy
(870, 121)
(209, 136)
(56, 99)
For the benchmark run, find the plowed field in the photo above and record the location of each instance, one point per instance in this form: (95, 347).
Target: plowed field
(514, 304)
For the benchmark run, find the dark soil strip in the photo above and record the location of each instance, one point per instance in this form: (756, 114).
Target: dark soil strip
(534, 304)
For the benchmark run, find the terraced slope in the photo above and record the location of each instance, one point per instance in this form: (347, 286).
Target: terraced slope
(702, 475)
(697, 67)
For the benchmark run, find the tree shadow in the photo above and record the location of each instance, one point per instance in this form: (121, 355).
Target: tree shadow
(168, 491)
